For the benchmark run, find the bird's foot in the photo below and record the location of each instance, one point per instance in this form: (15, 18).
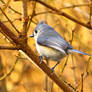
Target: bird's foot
(52, 70)
(41, 59)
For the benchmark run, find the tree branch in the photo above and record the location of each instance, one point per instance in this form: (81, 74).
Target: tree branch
(25, 19)
(9, 20)
(3, 88)
(33, 14)
(64, 14)
(10, 7)
(27, 50)
(9, 48)
(12, 69)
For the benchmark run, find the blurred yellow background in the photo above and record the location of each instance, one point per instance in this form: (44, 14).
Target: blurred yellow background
(26, 76)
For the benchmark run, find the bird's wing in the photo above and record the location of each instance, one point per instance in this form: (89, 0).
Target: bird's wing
(54, 42)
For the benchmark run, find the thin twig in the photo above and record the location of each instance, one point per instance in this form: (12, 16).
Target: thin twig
(9, 20)
(48, 82)
(68, 56)
(90, 14)
(3, 88)
(65, 64)
(82, 82)
(73, 68)
(33, 14)
(25, 18)
(25, 88)
(13, 20)
(51, 86)
(46, 79)
(72, 36)
(88, 65)
(86, 74)
(70, 86)
(74, 6)
(63, 14)
(11, 8)
(9, 48)
(12, 69)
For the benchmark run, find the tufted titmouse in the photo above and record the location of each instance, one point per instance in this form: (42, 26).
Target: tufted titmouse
(51, 44)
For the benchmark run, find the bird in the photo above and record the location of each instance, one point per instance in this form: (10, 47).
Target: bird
(51, 45)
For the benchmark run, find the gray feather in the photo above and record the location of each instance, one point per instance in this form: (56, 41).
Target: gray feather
(54, 43)
(49, 37)
(77, 51)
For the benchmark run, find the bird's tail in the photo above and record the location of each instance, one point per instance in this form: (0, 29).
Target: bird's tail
(77, 51)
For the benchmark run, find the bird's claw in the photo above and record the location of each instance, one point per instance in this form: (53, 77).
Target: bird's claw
(41, 59)
(52, 70)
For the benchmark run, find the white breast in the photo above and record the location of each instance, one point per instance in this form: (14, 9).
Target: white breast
(49, 53)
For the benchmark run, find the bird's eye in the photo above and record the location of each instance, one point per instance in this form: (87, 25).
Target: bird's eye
(35, 31)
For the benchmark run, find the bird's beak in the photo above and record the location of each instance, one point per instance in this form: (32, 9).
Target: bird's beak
(32, 35)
